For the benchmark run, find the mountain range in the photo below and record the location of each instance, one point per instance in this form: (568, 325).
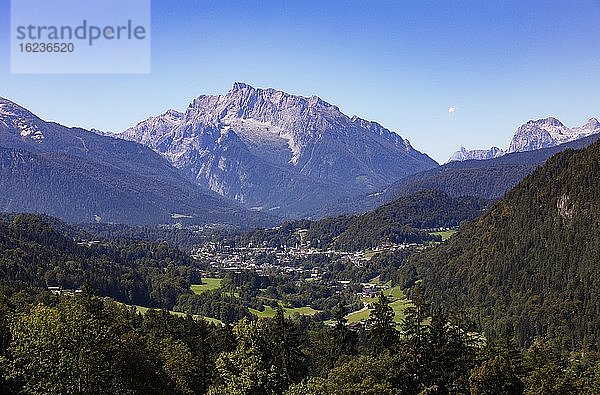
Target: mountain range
(246, 158)
(81, 176)
(533, 135)
(276, 152)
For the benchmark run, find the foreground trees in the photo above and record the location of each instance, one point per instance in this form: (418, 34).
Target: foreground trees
(84, 344)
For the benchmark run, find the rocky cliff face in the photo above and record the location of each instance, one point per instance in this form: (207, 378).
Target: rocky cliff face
(274, 151)
(534, 135)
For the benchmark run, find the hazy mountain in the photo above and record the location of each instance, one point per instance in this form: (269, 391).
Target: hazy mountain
(81, 176)
(478, 154)
(270, 150)
(529, 266)
(533, 135)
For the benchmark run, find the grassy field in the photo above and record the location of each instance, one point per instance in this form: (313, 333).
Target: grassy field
(288, 311)
(398, 306)
(360, 315)
(399, 303)
(369, 254)
(394, 293)
(208, 284)
(446, 234)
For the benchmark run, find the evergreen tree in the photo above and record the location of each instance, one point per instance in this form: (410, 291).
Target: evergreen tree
(495, 376)
(383, 334)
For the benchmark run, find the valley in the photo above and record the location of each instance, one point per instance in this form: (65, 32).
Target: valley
(300, 198)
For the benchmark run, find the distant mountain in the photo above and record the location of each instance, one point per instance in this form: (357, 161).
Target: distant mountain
(478, 154)
(81, 176)
(277, 152)
(533, 135)
(549, 132)
(529, 266)
(489, 179)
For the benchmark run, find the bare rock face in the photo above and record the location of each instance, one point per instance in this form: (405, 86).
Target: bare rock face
(274, 151)
(531, 136)
(549, 132)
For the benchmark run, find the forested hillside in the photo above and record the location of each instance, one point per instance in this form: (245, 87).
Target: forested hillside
(422, 210)
(531, 265)
(36, 253)
(401, 221)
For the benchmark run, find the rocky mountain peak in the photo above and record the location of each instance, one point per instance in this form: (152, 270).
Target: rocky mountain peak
(533, 135)
(268, 148)
(478, 154)
(240, 86)
(592, 124)
(18, 121)
(550, 121)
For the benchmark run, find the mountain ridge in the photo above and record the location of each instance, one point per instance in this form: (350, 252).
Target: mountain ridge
(489, 179)
(532, 135)
(324, 152)
(82, 176)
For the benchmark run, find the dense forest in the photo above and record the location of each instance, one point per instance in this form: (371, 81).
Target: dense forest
(84, 344)
(43, 252)
(400, 221)
(184, 238)
(529, 266)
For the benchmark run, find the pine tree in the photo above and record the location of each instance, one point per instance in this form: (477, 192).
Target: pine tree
(383, 334)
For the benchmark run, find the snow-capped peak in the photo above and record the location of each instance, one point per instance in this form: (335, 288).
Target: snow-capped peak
(18, 120)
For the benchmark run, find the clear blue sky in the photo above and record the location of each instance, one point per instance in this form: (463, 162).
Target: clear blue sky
(401, 63)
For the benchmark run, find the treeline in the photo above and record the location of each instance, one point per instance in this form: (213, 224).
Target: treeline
(34, 253)
(530, 266)
(401, 221)
(84, 344)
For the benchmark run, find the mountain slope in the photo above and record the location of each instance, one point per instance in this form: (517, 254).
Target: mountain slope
(81, 176)
(274, 151)
(530, 264)
(489, 179)
(41, 252)
(423, 210)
